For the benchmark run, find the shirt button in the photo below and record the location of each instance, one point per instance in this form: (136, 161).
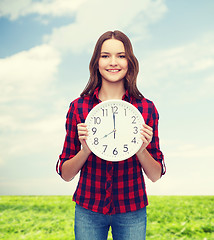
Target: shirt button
(109, 167)
(108, 184)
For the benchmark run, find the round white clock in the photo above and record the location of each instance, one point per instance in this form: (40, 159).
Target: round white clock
(114, 130)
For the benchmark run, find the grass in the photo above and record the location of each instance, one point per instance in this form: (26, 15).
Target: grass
(52, 218)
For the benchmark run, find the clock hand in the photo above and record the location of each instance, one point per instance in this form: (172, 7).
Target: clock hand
(108, 134)
(114, 124)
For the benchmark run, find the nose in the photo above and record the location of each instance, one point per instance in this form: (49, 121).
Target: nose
(113, 61)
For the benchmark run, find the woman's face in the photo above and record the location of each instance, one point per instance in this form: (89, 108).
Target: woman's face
(113, 64)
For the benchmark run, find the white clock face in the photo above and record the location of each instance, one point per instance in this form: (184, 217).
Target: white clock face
(114, 130)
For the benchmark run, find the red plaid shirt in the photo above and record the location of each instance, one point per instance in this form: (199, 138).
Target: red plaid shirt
(109, 187)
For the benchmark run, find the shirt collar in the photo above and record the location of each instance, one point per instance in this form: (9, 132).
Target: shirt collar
(95, 94)
(125, 97)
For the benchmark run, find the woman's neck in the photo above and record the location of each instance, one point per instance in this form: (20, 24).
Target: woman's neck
(111, 91)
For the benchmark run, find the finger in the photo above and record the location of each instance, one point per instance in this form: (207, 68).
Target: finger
(147, 127)
(146, 139)
(82, 129)
(146, 136)
(81, 125)
(146, 132)
(145, 142)
(84, 137)
(82, 132)
(143, 138)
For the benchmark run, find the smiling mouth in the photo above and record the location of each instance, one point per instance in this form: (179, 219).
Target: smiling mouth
(113, 70)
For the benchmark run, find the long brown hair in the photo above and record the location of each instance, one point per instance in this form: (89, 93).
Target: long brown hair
(95, 79)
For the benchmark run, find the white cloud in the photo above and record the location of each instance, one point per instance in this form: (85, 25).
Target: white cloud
(44, 135)
(25, 81)
(13, 9)
(55, 7)
(27, 73)
(93, 19)
(190, 58)
(183, 73)
(19, 8)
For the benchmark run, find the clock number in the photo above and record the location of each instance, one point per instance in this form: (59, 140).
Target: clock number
(135, 130)
(94, 130)
(134, 118)
(134, 140)
(125, 111)
(105, 112)
(97, 120)
(105, 147)
(96, 142)
(125, 148)
(115, 152)
(114, 109)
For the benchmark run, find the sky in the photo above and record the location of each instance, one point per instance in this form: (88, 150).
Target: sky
(45, 49)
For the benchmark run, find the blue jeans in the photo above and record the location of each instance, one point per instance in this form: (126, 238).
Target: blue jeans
(94, 226)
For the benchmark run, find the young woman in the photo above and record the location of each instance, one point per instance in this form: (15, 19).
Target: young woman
(110, 193)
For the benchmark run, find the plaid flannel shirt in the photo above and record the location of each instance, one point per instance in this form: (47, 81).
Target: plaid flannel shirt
(104, 186)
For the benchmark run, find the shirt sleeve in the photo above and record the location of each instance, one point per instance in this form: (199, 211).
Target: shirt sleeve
(71, 144)
(154, 147)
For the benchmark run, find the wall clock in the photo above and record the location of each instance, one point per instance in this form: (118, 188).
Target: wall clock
(114, 130)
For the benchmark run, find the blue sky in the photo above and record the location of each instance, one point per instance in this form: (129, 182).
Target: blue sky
(45, 49)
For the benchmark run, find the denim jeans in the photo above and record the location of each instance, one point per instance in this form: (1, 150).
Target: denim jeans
(94, 226)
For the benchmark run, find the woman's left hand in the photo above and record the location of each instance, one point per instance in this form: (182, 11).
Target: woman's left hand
(146, 136)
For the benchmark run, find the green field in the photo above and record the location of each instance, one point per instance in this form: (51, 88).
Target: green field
(52, 217)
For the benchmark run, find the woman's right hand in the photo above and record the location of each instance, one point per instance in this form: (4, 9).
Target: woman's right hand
(71, 167)
(82, 134)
